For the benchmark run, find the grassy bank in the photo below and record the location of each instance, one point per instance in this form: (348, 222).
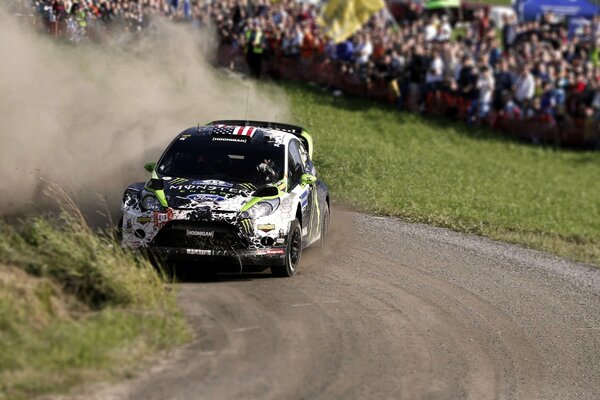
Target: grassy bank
(443, 173)
(75, 308)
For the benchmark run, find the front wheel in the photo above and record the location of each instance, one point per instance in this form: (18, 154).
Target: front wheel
(324, 227)
(293, 252)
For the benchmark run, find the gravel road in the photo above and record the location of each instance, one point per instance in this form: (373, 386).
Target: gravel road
(391, 311)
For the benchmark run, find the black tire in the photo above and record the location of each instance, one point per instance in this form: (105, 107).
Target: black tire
(324, 227)
(293, 252)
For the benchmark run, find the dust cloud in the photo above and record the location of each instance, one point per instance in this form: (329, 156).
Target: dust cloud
(339, 240)
(87, 117)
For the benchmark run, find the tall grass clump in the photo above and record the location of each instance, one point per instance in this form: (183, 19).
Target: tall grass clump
(76, 307)
(87, 264)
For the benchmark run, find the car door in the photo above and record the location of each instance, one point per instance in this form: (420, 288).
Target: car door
(296, 168)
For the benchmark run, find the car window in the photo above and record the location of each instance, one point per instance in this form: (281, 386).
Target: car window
(307, 164)
(201, 157)
(295, 167)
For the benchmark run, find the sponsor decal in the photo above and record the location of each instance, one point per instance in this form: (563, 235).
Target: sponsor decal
(212, 182)
(178, 181)
(128, 224)
(247, 226)
(275, 251)
(231, 139)
(305, 231)
(211, 189)
(280, 241)
(248, 186)
(200, 233)
(144, 220)
(304, 199)
(247, 131)
(199, 252)
(271, 252)
(205, 197)
(160, 219)
(201, 213)
(266, 227)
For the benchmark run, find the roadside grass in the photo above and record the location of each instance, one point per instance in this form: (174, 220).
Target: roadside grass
(443, 173)
(76, 308)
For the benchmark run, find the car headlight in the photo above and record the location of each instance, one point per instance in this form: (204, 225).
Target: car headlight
(261, 209)
(150, 203)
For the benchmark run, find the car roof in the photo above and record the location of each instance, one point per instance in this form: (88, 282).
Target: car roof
(251, 133)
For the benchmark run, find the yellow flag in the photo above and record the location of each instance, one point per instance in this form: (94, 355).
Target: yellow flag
(341, 18)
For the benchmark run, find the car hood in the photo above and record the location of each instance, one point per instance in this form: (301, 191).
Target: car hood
(213, 195)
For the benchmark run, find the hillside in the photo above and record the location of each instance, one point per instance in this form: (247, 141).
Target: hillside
(444, 173)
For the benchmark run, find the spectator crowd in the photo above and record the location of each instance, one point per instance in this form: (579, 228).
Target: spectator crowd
(536, 80)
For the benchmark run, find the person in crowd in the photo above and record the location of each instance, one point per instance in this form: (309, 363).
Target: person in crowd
(481, 107)
(435, 74)
(431, 29)
(524, 85)
(364, 50)
(467, 79)
(345, 50)
(504, 82)
(254, 46)
(417, 70)
(509, 32)
(445, 30)
(307, 51)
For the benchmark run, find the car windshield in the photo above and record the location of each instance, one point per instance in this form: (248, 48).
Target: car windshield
(201, 157)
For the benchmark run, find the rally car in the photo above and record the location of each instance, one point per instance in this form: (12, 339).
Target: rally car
(243, 190)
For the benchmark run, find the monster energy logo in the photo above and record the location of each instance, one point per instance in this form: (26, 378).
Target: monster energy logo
(247, 226)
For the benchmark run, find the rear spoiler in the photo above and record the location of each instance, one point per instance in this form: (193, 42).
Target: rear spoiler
(298, 131)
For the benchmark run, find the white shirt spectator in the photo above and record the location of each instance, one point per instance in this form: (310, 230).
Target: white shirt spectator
(297, 38)
(363, 52)
(445, 32)
(430, 31)
(525, 87)
(436, 70)
(485, 84)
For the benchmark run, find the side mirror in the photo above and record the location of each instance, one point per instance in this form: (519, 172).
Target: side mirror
(150, 167)
(308, 179)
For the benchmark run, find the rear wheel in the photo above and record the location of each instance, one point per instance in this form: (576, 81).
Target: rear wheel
(293, 252)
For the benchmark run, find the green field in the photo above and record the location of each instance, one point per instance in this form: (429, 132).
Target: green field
(76, 308)
(443, 173)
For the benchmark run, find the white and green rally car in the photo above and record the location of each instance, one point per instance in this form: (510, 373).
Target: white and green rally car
(244, 190)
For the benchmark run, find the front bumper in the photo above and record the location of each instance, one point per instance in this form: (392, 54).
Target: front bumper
(273, 256)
